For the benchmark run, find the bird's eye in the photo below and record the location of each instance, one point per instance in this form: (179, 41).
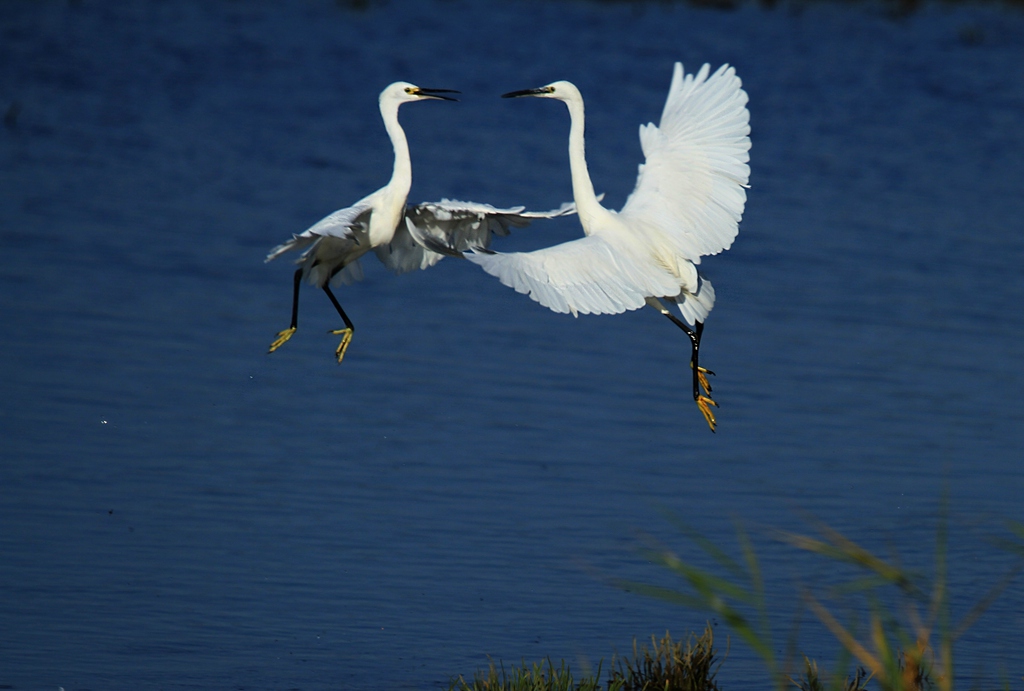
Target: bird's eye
(408, 89)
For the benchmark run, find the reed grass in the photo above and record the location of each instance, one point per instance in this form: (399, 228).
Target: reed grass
(811, 680)
(540, 676)
(906, 645)
(669, 665)
(664, 665)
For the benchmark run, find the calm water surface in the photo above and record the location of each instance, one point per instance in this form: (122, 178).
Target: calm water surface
(180, 510)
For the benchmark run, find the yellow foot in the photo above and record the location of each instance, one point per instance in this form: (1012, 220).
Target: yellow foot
(346, 338)
(705, 403)
(282, 338)
(702, 373)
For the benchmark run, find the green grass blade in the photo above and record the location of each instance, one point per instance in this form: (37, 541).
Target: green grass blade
(706, 545)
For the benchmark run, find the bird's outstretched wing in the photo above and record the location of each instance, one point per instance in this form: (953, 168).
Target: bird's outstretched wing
(588, 276)
(691, 185)
(434, 229)
(342, 224)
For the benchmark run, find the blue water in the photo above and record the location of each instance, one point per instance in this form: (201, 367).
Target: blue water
(180, 510)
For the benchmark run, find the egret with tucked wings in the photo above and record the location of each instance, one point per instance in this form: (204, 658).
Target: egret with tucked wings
(381, 222)
(688, 201)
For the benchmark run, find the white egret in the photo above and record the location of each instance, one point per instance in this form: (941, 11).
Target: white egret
(381, 221)
(688, 201)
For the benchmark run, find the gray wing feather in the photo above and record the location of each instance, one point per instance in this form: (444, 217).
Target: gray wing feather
(451, 227)
(343, 223)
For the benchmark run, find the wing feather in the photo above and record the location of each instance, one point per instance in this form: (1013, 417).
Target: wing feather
(342, 224)
(691, 185)
(587, 276)
(434, 229)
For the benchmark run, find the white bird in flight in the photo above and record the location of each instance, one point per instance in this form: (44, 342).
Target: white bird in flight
(381, 222)
(688, 201)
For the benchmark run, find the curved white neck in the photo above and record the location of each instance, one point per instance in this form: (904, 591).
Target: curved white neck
(401, 176)
(587, 206)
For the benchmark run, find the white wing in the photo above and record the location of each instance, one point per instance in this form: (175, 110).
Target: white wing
(434, 229)
(588, 275)
(691, 186)
(343, 223)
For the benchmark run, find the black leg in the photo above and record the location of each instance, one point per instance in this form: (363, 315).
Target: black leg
(283, 336)
(694, 351)
(346, 333)
(699, 378)
(337, 306)
(295, 298)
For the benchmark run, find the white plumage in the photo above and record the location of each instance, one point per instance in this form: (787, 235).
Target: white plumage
(688, 201)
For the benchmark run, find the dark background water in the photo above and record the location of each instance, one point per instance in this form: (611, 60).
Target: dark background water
(180, 510)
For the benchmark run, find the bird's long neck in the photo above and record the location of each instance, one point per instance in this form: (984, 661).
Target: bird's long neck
(401, 176)
(587, 206)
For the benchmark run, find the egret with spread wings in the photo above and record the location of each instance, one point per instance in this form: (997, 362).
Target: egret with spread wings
(381, 222)
(688, 201)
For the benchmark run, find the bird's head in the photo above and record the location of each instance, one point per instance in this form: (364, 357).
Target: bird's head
(404, 92)
(561, 90)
